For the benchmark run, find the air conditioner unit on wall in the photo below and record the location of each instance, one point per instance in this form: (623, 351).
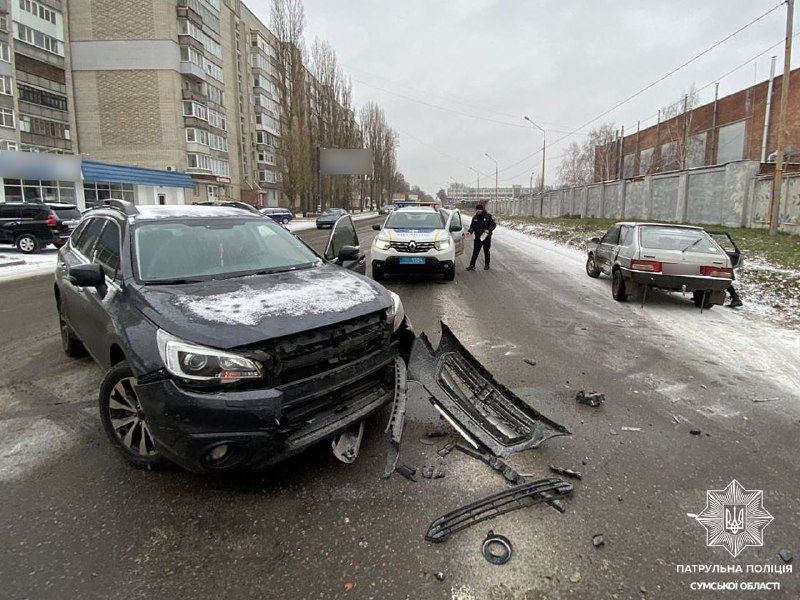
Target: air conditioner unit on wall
(172, 168)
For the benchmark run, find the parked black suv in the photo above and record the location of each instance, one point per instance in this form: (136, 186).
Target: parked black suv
(228, 343)
(31, 226)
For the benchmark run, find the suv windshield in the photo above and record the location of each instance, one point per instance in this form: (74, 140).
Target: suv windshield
(414, 220)
(676, 238)
(201, 249)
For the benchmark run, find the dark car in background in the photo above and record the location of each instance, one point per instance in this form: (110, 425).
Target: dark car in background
(30, 226)
(279, 215)
(329, 217)
(226, 342)
(385, 209)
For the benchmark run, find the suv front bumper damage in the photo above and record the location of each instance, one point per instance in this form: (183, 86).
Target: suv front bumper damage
(485, 412)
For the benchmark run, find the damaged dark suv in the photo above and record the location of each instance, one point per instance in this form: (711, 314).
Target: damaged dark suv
(227, 342)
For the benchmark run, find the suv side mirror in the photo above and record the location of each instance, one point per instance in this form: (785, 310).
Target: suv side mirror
(595, 240)
(376, 227)
(91, 275)
(456, 228)
(348, 253)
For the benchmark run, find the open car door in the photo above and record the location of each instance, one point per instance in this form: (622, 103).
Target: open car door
(456, 229)
(724, 239)
(344, 248)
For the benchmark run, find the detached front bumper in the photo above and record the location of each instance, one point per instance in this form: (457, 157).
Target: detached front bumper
(264, 426)
(689, 283)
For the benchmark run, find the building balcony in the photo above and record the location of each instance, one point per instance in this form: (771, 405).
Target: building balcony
(192, 70)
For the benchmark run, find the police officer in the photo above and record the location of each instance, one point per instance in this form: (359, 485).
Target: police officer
(481, 227)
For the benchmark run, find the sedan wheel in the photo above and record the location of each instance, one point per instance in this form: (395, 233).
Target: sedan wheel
(71, 345)
(285, 221)
(591, 267)
(124, 420)
(618, 287)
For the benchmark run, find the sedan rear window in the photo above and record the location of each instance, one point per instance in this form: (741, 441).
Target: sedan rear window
(677, 238)
(414, 220)
(202, 249)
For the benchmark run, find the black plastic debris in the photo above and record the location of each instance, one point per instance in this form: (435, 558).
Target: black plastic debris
(786, 555)
(590, 398)
(482, 410)
(529, 362)
(567, 472)
(514, 498)
(447, 449)
(397, 421)
(496, 548)
(498, 464)
(598, 540)
(407, 472)
(695, 432)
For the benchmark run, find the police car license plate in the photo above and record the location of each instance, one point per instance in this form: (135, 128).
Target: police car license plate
(412, 260)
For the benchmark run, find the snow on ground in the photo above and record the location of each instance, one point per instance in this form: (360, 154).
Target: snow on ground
(741, 340)
(14, 264)
(302, 224)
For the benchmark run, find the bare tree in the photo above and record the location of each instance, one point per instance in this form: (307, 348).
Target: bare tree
(574, 169)
(295, 159)
(676, 123)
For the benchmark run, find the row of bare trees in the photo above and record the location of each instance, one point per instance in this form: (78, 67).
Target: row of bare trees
(316, 104)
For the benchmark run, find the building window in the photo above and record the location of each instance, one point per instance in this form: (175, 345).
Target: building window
(37, 38)
(34, 190)
(6, 117)
(94, 193)
(202, 162)
(628, 163)
(41, 97)
(38, 10)
(8, 145)
(731, 142)
(645, 161)
(669, 157)
(6, 85)
(53, 129)
(5, 52)
(192, 30)
(194, 109)
(696, 152)
(4, 23)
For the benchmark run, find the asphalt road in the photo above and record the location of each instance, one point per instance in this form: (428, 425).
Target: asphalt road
(76, 522)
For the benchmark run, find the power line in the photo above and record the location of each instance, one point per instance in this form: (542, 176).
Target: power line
(442, 152)
(656, 82)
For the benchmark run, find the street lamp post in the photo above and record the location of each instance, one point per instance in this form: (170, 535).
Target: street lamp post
(544, 147)
(495, 180)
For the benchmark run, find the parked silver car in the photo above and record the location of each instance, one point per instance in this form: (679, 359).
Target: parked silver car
(669, 257)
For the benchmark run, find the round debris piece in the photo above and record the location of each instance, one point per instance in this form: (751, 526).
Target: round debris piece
(492, 544)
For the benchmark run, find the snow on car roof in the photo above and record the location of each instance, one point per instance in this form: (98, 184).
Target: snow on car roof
(640, 224)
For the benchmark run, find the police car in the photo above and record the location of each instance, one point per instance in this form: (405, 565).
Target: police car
(418, 239)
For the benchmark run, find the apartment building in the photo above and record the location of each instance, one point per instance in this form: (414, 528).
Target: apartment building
(179, 85)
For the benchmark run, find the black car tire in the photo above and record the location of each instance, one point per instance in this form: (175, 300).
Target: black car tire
(319, 226)
(71, 345)
(450, 276)
(27, 244)
(591, 267)
(618, 286)
(124, 421)
(285, 221)
(697, 298)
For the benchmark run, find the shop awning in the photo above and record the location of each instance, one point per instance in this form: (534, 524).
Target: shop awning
(99, 172)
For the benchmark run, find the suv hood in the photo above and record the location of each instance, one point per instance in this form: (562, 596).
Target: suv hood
(416, 235)
(245, 310)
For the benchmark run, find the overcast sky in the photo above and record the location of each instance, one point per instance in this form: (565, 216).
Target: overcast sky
(434, 66)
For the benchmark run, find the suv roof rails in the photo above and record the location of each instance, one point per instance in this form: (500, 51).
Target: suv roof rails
(124, 206)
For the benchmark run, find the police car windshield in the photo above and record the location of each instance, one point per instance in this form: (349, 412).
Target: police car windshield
(415, 220)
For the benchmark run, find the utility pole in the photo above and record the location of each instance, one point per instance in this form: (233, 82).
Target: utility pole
(478, 189)
(544, 148)
(685, 149)
(775, 204)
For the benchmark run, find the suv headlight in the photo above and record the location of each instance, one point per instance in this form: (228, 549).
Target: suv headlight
(200, 363)
(396, 313)
(442, 244)
(382, 244)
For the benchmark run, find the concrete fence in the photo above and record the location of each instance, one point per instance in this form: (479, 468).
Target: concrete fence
(733, 195)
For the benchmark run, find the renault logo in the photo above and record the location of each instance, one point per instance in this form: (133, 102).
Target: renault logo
(412, 246)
